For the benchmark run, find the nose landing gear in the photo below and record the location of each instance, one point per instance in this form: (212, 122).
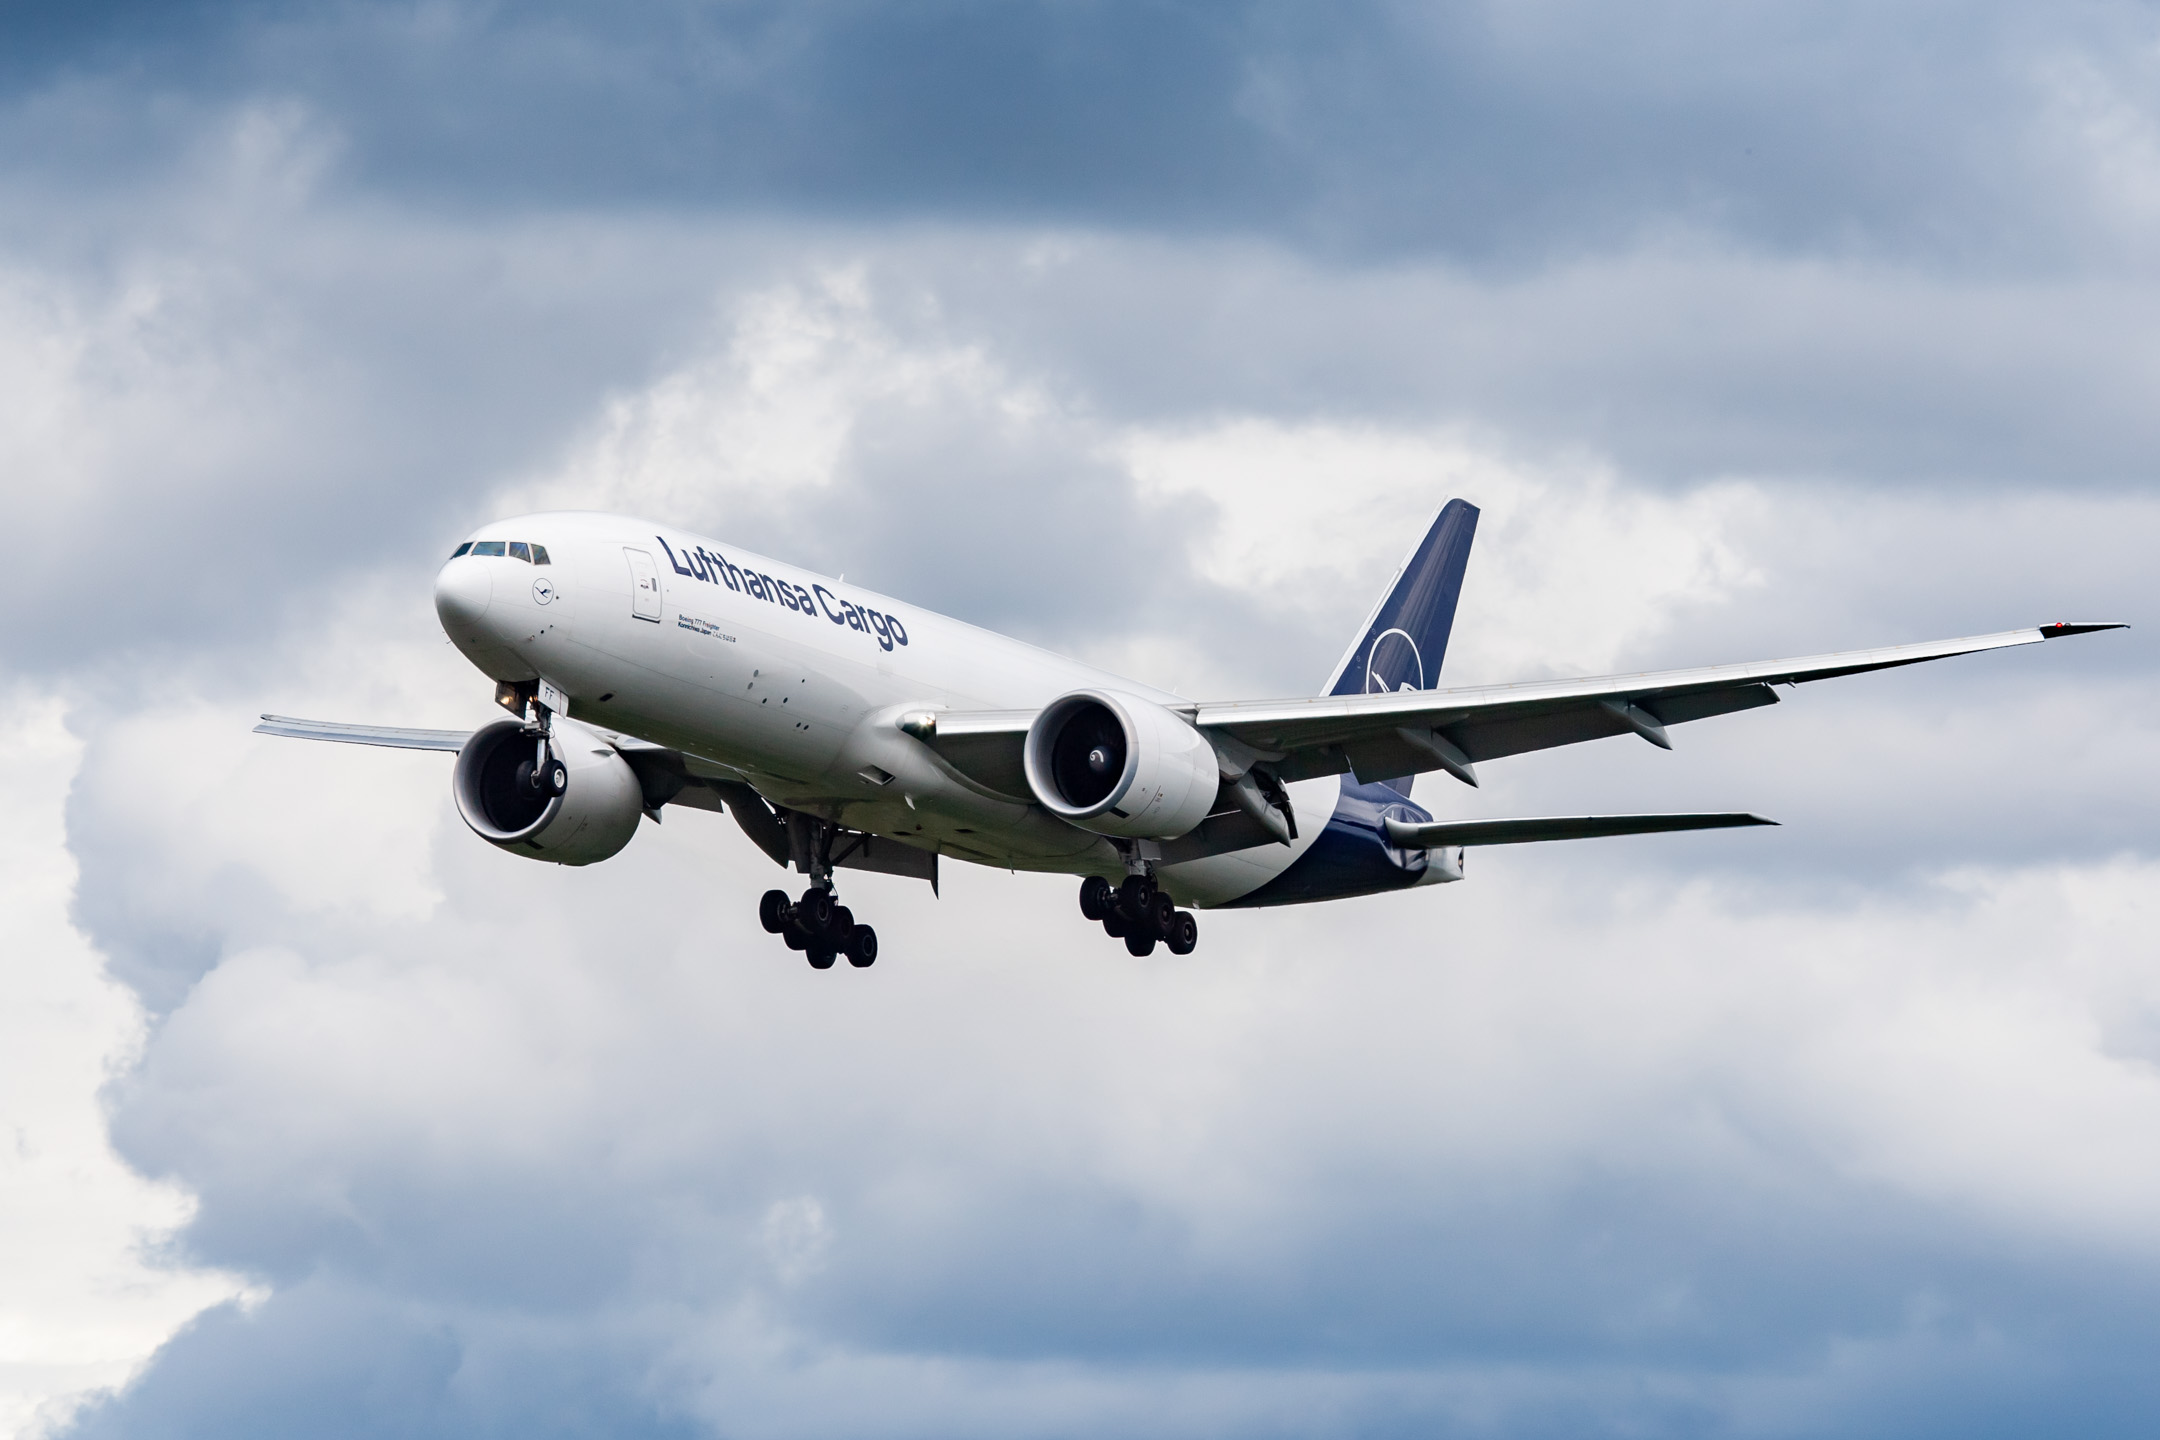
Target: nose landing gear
(1140, 914)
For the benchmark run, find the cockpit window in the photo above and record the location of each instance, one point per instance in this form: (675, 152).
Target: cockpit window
(519, 550)
(540, 555)
(488, 547)
(461, 550)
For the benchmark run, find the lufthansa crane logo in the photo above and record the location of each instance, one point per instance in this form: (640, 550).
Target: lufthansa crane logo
(543, 591)
(1393, 651)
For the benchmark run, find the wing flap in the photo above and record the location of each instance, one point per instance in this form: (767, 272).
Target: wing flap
(1557, 827)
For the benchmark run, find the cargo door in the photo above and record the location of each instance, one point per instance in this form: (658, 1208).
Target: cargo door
(644, 585)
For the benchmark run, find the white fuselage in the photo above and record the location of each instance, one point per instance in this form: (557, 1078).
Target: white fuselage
(795, 682)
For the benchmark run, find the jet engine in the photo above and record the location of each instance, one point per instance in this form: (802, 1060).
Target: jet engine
(594, 816)
(1119, 765)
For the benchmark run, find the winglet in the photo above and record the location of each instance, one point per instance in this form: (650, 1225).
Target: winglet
(2080, 627)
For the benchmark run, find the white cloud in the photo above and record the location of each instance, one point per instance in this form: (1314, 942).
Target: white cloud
(1573, 570)
(765, 419)
(85, 1298)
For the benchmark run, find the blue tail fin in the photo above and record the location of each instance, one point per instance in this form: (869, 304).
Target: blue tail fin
(1406, 640)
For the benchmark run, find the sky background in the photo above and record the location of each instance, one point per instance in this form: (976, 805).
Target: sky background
(1152, 333)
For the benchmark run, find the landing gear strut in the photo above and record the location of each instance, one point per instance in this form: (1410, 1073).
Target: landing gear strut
(543, 774)
(818, 924)
(1139, 913)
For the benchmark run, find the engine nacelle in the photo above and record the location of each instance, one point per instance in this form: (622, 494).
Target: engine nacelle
(593, 818)
(1119, 765)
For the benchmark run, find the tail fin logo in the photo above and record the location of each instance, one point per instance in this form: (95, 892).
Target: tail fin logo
(1404, 641)
(1392, 660)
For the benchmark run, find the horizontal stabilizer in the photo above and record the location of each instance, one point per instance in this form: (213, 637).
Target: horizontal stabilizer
(1555, 827)
(391, 735)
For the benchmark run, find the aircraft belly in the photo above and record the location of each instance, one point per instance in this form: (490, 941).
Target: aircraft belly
(1222, 879)
(1352, 855)
(1029, 840)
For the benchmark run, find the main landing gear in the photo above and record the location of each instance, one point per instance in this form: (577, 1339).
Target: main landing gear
(819, 927)
(1139, 914)
(817, 924)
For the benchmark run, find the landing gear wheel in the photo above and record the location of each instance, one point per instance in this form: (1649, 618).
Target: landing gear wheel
(861, 947)
(772, 911)
(1113, 925)
(1096, 897)
(821, 957)
(1161, 913)
(1132, 896)
(555, 777)
(1139, 946)
(796, 940)
(814, 911)
(843, 920)
(1183, 933)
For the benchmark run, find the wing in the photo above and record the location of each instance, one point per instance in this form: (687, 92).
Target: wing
(1376, 736)
(1555, 827)
(1413, 731)
(390, 735)
(666, 777)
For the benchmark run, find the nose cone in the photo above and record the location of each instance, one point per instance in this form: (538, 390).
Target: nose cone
(462, 591)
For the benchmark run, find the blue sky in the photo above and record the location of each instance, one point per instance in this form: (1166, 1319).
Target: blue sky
(1152, 333)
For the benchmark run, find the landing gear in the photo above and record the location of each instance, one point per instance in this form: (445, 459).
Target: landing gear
(544, 774)
(1183, 934)
(772, 911)
(1139, 913)
(818, 927)
(817, 924)
(1096, 897)
(550, 777)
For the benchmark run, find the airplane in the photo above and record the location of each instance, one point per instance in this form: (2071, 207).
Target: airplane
(644, 667)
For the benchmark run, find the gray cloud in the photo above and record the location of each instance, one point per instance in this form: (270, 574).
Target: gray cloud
(1837, 1129)
(1493, 132)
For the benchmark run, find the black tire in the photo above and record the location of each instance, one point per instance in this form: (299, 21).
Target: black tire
(843, 921)
(1095, 897)
(558, 777)
(822, 956)
(1140, 946)
(1161, 914)
(814, 911)
(1183, 934)
(795, 938)
(772, 911)
(1113, 925)
(1132, 896)
(862, 947)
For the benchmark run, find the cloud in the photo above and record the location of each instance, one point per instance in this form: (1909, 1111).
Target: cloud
(1796, 1141)
(1500, 133)
(1150, 335)
(91, 1287)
